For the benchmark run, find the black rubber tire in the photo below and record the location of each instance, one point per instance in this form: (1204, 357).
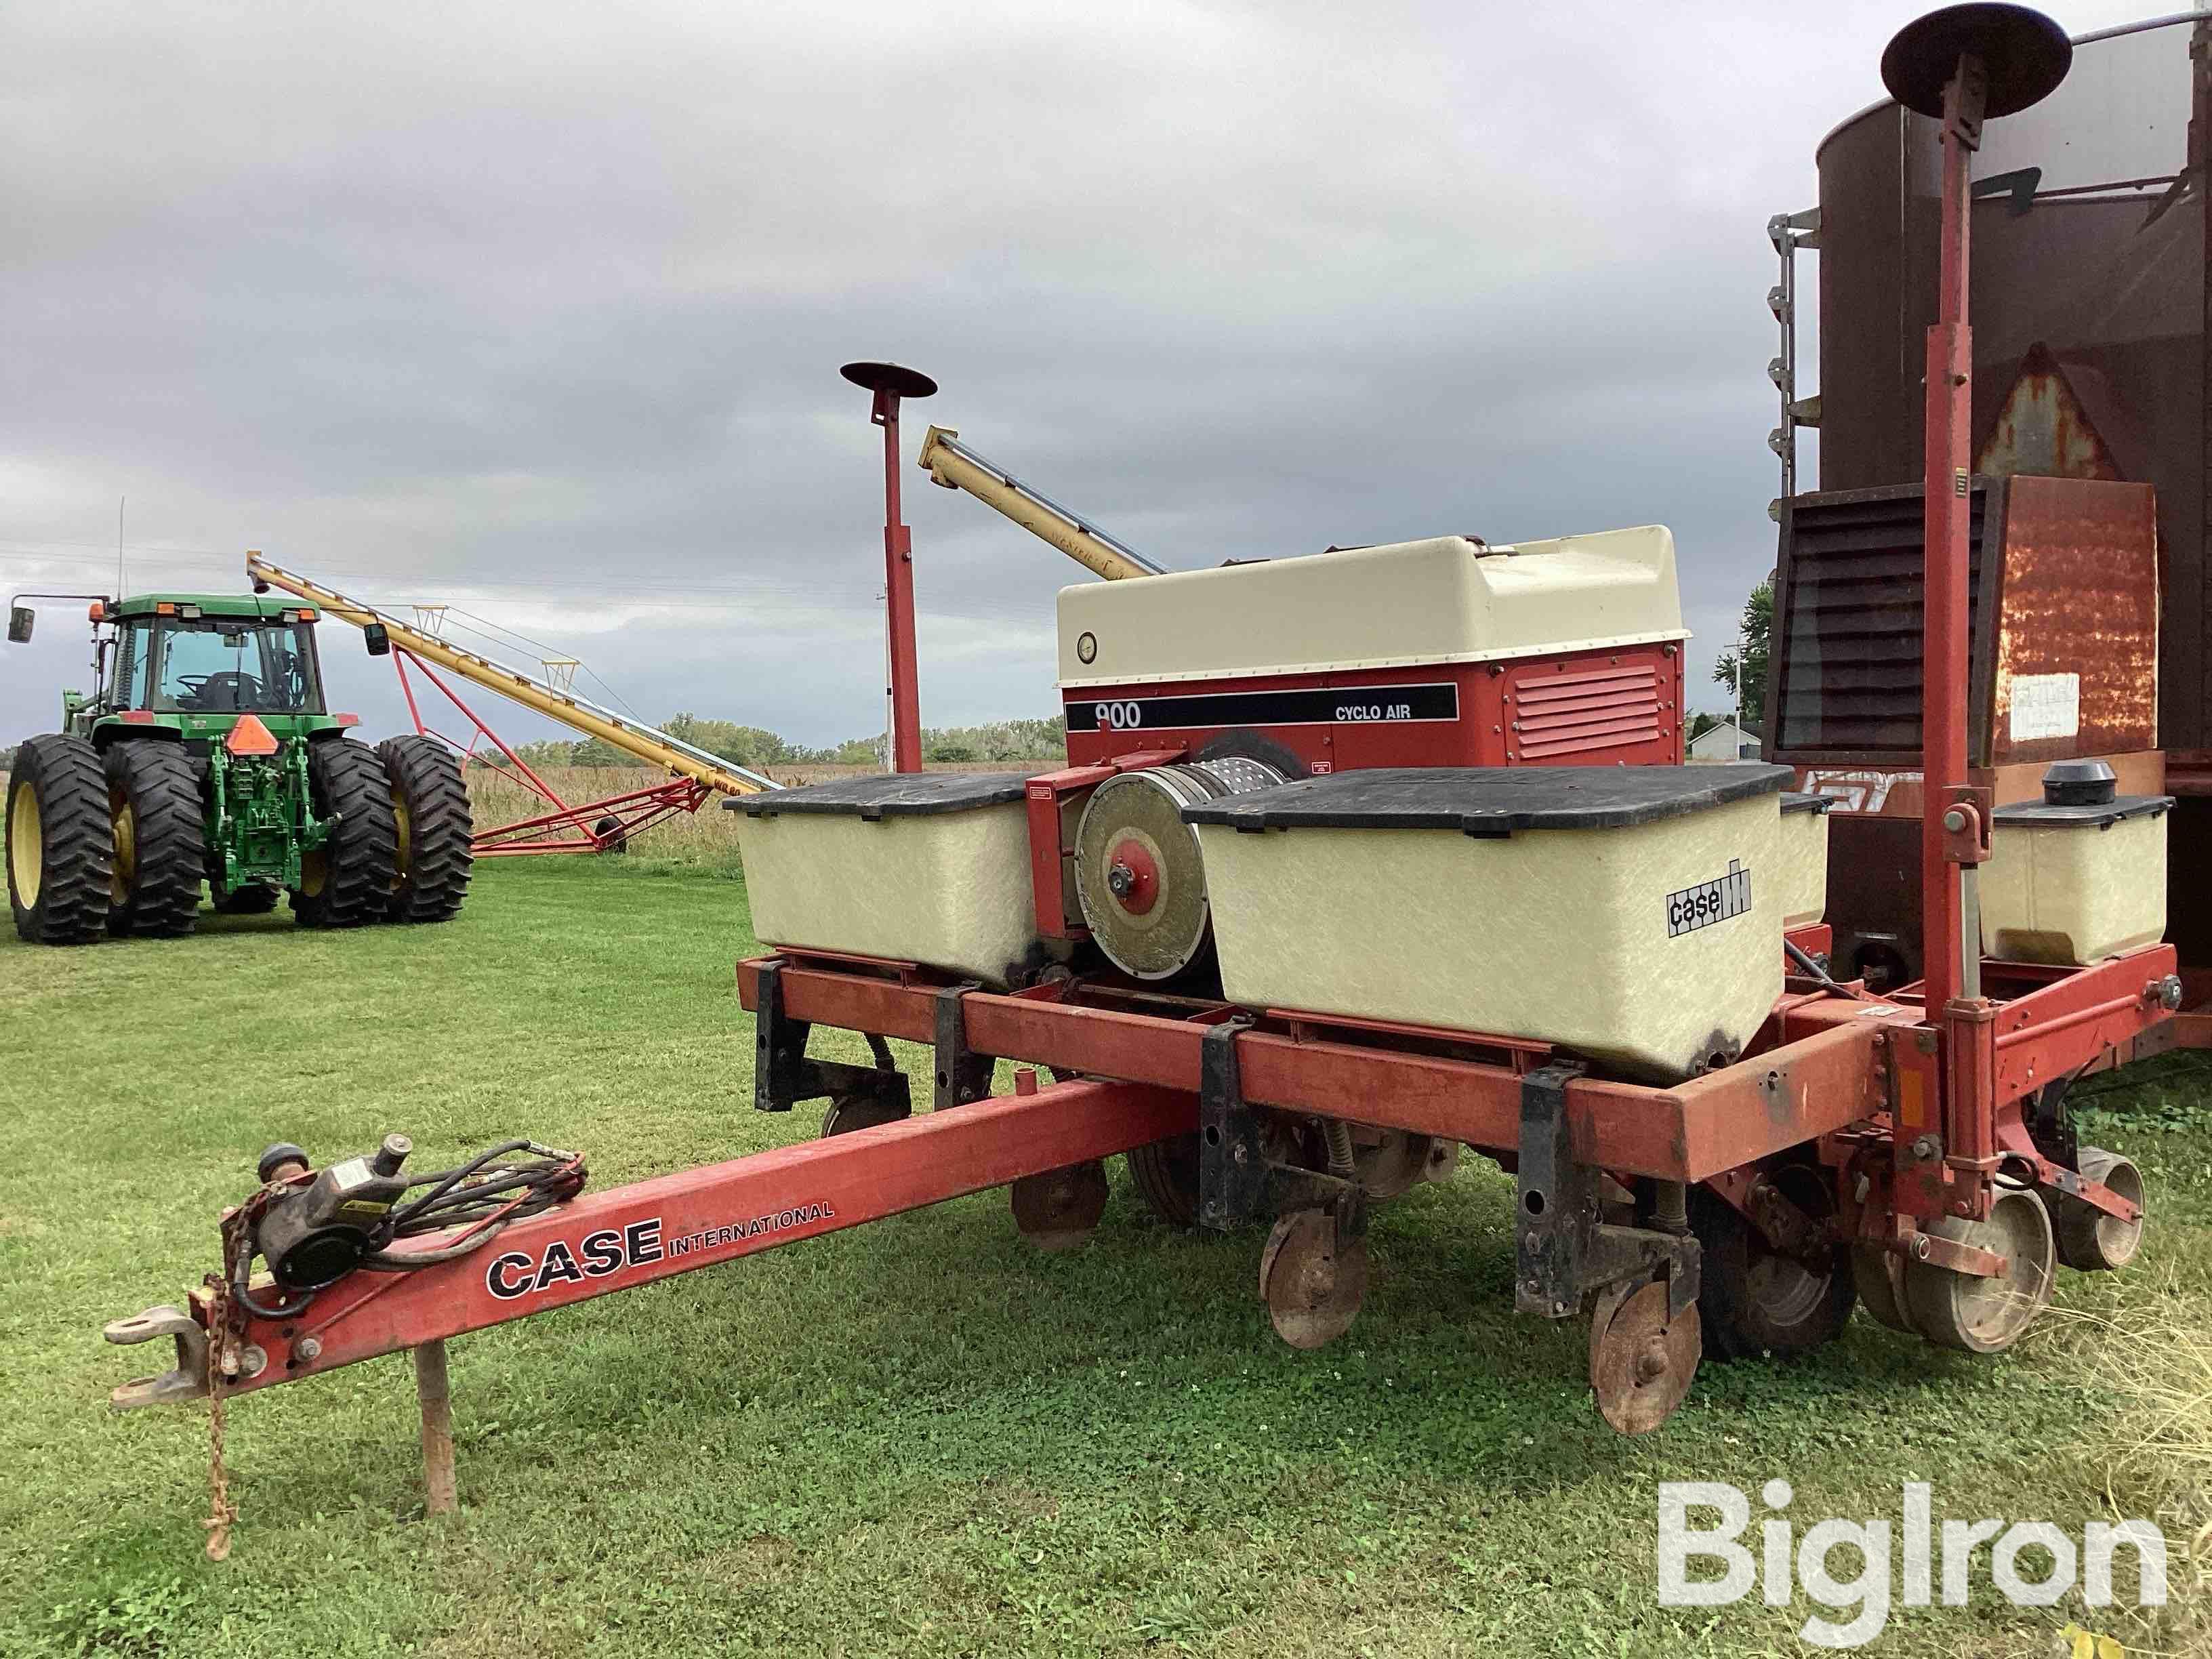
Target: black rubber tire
(1165, 1173)
(253, 900)
(1745, 1314)
(61, 778)
(161, 860)
(347, 881)
(430, 802)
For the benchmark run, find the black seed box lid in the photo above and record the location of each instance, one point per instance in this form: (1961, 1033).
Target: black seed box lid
(1494, 800)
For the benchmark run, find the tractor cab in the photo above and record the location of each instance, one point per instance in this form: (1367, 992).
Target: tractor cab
(194, 663)
(197, 663)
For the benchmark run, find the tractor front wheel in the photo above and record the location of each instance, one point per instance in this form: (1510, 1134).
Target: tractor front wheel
(347, 880)
(430, 804)
(61, 855)
(160, 854)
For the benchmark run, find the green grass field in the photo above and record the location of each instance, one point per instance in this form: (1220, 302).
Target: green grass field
(920, 1436)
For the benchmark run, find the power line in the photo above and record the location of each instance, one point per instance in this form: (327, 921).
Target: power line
(822, 598)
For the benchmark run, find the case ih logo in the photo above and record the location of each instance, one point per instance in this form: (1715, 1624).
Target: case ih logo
(1710, 902)
(516, 1273)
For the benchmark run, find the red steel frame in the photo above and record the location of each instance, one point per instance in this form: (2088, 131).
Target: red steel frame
(1837, 1070)
(567, 827)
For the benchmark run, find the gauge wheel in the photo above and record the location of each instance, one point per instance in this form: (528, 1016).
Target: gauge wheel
(1165, 1175)
(1752, 1299)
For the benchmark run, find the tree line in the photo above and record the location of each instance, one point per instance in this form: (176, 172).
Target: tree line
(755, 747)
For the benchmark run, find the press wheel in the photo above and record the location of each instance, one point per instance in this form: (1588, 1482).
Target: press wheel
(1313, 1277)
(1060, 1209)
(1876, 1274)
(2090, 1241)
(1641, 1361)
(1986, 1316)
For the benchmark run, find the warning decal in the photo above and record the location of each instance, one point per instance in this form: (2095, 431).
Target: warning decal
(2045, 706)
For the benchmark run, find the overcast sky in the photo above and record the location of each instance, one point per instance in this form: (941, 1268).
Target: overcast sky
(538, 309)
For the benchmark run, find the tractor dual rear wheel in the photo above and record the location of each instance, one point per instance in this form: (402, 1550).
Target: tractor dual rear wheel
(61, 852)
(430, 808)
(160, 852)
(348, 881)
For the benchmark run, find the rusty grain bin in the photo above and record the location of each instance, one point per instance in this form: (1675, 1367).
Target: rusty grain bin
(2089, 304)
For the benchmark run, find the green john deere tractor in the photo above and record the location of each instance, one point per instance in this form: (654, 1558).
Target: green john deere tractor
(205, 754)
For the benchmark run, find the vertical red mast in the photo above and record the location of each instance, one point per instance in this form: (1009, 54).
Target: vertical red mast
(889, 383)
(1959, 66)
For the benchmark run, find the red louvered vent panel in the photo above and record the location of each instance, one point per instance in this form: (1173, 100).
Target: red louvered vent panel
(1559, 716)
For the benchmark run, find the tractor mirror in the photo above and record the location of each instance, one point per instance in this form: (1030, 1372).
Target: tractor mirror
(20, 619)
(378, 639)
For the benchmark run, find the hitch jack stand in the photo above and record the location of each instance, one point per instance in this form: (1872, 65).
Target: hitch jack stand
(439, 1493)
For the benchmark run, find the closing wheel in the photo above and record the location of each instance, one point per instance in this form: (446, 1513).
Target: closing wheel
(1641, 1362)
(1752, 1299)
(1878, 1276)
(1165, 1175)
(1059, 1210)
(61, 849)
(1986, 1316)
(1313, 1277)
(2090, 1241)
(861, 1111)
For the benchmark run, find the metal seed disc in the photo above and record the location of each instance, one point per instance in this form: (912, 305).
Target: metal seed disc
(1313, 1280)
(1060, 1209)
(1641, 1361)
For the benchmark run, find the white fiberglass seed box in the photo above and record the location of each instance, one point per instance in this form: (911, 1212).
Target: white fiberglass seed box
(1804, 863)
(1631, 915)
(926, 867)
(2076, 882)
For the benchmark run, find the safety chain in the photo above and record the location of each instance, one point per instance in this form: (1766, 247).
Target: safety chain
(221, 1511)
(226, 1323)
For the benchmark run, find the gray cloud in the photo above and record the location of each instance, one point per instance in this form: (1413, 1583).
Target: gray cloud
(539, 309)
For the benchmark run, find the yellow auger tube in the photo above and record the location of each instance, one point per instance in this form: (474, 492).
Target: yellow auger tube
(632, 737)
(954, 465)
